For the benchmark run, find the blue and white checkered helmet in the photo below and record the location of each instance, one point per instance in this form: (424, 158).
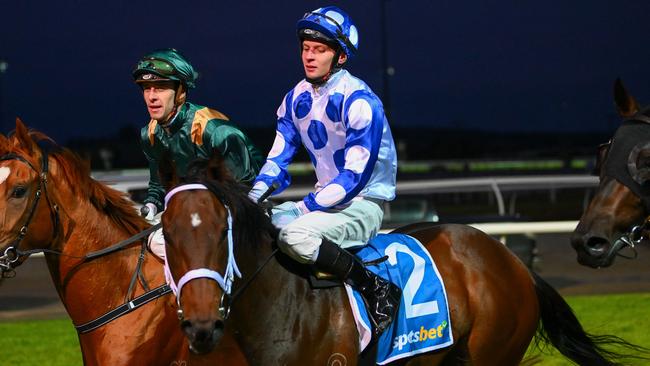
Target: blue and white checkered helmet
(332, 23)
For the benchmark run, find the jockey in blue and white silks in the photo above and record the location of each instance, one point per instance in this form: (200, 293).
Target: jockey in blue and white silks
(342, 125)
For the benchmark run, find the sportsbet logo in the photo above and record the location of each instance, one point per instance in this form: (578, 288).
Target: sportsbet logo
(419, 336)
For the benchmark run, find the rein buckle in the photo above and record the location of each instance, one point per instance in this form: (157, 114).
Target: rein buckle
(224, 306)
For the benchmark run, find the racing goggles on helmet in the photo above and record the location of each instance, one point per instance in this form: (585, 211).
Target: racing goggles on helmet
(158, 66)
(339, 29)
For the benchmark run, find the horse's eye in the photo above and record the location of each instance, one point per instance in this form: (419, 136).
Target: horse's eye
(19, 192)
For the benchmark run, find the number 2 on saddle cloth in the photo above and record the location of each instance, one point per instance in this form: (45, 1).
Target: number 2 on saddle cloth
(423, 322)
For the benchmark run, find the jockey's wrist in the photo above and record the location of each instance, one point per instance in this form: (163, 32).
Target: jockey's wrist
(302, 207)
(257, 191)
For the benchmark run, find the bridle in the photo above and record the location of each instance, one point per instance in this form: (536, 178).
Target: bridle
(637, 233)
(11, 255)
(226, 280)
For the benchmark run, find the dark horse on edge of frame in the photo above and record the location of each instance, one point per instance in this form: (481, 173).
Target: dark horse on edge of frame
(49, 202)
(618, 216)
(497, 305)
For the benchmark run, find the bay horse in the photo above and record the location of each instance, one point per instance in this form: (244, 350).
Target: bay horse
(49, 203)
(213, 231)
(618, 215)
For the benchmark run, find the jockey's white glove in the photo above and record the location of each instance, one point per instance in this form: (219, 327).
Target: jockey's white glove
(148, 211)
(156, 243)
(285, 213)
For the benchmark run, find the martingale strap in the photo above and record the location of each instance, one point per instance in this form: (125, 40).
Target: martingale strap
(124, 309)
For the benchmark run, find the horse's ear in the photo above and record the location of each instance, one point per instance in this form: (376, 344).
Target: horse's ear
(22, 137)
(625, 103)
(217, 169)
(167, 171)
(638, 163)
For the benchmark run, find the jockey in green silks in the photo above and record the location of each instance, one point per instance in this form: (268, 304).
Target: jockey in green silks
(184, 130)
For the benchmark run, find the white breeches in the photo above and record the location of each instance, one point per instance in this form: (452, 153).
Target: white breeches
(350, 227)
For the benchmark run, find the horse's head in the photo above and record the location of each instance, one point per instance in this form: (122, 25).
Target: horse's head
(199, 235)
(615, 217)
(28, 214)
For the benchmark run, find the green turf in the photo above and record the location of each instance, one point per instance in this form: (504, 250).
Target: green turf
(626, 316)
(54, 342)
(40, 342)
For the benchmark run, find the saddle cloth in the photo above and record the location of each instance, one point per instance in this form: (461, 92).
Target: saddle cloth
(423, 322)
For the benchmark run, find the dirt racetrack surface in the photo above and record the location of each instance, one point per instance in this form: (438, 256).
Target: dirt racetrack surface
(31, 295)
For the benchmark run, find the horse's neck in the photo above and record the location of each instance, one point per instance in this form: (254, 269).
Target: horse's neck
(261, 270)
(88, 288)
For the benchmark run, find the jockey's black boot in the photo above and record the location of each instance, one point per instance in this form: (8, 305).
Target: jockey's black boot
(382, 297)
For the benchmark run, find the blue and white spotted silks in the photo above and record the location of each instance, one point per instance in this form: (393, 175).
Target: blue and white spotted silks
(343, 127)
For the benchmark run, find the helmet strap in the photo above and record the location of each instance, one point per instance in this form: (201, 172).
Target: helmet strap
(181, 95)
(179, 100)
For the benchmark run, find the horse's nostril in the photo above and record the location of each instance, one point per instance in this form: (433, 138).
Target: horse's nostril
(201, 330)
(186, 325)
(218, 325)
(596, 243)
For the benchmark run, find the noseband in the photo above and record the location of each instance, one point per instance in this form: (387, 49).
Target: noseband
(11, 255)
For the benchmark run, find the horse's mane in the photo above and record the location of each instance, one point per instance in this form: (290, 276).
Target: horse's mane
(76, 171)
(250, 223)
(111, 202)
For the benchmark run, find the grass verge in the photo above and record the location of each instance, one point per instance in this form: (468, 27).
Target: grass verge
(54, 342)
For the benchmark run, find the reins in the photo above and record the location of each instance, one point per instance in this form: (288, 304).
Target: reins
(224, 309)
(130, 304)
(98, 253)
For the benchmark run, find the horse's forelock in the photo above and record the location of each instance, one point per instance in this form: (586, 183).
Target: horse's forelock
(24, 142)
(250, 223)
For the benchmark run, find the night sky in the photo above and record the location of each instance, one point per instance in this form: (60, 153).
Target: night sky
(501, 66)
